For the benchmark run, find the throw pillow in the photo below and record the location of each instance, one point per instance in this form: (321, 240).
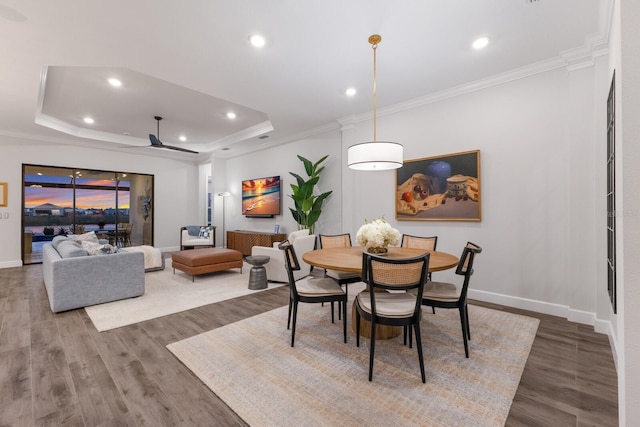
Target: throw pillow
(86, 237)
(204, 232)
(93, 248)
(57, 240)
(71, 249)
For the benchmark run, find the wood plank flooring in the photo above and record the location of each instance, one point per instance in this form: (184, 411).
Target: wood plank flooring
(56, 369)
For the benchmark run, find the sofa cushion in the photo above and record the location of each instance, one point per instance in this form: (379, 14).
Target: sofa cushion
(71, 249)
(57, 240)
(86, 237)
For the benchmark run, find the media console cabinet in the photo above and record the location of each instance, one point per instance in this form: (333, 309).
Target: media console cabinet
(244, 240)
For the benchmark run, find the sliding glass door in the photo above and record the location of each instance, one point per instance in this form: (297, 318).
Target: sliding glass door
(56, 200)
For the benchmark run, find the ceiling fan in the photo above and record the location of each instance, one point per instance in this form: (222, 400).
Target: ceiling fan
(155, 140)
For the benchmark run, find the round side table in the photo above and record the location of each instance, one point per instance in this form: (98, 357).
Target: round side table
(257, 274)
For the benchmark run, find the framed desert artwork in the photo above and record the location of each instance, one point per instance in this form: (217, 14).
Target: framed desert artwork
(440, 188)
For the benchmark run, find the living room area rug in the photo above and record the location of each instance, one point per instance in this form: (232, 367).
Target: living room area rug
(167, 293)
(252, 367)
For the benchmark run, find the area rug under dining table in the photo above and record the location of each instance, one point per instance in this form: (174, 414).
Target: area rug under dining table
(251, 366)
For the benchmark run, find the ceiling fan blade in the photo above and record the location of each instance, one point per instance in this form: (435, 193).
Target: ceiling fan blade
(155, 142)
(171, 147)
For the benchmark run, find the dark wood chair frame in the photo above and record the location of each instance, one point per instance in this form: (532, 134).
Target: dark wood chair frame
(435, 244)
(342, 282)
(292, 264)
(464, 268)
(368, 276)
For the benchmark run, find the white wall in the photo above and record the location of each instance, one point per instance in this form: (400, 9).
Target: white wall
(540, 142)
(626, 43)
(539, 222)
(280, 161)
(176, 187)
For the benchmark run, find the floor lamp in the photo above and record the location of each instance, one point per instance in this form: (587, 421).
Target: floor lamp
(223, 195)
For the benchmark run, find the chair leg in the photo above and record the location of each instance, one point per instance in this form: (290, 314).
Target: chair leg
(463, 323)
(346, 294)
(411, 337)
(293, 327)
(332, 318)
(372, 348)
(419, 345)
(289, 317)
(344, 320)
(466, 314)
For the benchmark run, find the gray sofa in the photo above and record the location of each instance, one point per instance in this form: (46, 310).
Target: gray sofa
(74, 279)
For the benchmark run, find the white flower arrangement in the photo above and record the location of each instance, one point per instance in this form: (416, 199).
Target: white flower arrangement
(377, 234)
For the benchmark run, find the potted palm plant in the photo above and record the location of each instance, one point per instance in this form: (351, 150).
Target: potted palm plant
(308, 206)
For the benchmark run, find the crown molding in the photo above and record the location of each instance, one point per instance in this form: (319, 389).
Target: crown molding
(571, 60)
(243, 135)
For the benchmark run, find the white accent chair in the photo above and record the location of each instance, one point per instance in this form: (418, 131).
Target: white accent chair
(206, 238)
(302, 242)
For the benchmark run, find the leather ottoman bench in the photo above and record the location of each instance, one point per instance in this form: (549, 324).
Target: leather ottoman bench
(206, 260)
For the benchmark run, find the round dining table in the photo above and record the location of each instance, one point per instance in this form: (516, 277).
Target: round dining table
(350, 259)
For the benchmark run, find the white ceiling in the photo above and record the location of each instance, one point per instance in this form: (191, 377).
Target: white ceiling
(191, 61)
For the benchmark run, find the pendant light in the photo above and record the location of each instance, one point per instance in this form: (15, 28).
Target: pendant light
(375, 155)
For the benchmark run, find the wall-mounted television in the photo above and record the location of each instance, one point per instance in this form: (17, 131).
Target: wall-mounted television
(261, 197)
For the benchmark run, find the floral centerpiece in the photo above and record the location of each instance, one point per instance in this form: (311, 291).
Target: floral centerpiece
(377, 235)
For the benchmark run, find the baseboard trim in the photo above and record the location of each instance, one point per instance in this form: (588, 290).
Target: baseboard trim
(521, 303)
(572, 315)
(10, 264)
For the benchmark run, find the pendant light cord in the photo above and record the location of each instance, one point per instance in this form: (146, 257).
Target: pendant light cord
(374, 40)
(374, 92)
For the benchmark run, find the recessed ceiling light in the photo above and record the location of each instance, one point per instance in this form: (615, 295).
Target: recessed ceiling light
(231, 115)
(480, 43)
(350, 91)
(257, 40)
(88, 120)
(114, 82)
(182, 138)
(39, 173)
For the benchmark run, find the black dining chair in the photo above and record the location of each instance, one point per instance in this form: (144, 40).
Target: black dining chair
(396, 308)
(310, 290)
(449, 295)
(344, 278)
(419, 242)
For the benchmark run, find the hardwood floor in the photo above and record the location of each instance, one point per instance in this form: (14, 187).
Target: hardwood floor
(56, 369)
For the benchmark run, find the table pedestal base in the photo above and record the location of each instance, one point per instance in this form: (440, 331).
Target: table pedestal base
(383, 332)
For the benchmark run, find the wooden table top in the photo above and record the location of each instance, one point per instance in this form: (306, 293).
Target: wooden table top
(350, 258)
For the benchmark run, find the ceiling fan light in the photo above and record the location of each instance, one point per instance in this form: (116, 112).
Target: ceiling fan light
(375, 156)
